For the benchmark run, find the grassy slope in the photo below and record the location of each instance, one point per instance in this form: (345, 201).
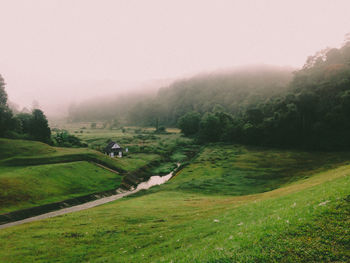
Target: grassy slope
(21, 152)
(34, 173)
(145, 146)
(11, 148)
(305, 220)
(132, 137)
(240, 170)
(22, 187)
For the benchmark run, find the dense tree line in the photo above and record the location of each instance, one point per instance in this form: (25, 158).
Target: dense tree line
(313, 112)
(232, 91)
(32, 125)
(308, 108)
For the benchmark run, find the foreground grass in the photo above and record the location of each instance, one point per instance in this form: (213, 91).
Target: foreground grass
(306, 220)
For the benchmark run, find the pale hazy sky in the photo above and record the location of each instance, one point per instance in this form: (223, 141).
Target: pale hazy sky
(55, 50)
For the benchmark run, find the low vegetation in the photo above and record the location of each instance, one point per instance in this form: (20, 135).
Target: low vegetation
(304, 219)
(242, 170)
(12, 148)
(34, 173)
(22, 153)
(145, 145)
(28, 186)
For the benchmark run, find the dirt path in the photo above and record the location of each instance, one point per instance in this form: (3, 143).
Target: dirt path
(154, 180)
(105, 167)
(70, 209)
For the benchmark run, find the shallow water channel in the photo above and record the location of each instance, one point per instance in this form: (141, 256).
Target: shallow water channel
(152, 181)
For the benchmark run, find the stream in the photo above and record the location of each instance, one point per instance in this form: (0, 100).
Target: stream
(152, 181)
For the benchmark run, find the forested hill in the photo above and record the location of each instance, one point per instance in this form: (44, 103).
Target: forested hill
(309, 108)
(314, 112)
(232, 91)
(112, 109)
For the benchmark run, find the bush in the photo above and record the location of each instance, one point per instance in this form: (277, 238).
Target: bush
(64, 139)
(189, 123)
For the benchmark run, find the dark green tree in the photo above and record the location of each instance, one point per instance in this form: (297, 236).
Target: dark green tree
(7, 122)
(210, 128)
(189, 123)
(39, 127)
(3, 94)
(25, 120)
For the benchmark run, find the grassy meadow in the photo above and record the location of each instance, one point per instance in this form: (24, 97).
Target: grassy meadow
(144, 144)
(23, 187)
(34, 173)
(136, 139)
(242, 170)
(282, 206)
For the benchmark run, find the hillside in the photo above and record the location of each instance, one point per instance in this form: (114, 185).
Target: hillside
(198, 217)
(11, 148)
(23, 153)
(233, 90)
(24, 187)
(34, 173)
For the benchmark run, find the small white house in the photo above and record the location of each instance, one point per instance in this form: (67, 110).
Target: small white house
(113, 149)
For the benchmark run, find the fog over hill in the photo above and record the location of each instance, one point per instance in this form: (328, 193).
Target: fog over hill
(58, 51)
(230, 88)
(56, 105)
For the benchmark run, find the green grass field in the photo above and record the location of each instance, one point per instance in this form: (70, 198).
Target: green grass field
(240, 170)
(30, 174)
(136, 139)
(198, 216)
(34, 173)
(145, 146)
(23, 187)
(21, 152)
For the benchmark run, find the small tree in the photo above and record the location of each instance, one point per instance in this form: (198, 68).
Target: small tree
(3, 94)
(161, 129)
(7, 122)
(39, 127)
(189, 123)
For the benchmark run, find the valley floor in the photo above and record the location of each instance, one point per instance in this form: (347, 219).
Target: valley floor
(231, 204)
